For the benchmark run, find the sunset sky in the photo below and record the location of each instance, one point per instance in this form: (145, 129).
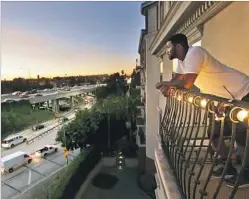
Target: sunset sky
(74, 38)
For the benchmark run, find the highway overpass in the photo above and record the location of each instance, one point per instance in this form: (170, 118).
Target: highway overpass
(65, 94)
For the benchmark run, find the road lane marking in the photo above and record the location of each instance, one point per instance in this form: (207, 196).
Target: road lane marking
(29, 177)
(12, 187)
(39, 181)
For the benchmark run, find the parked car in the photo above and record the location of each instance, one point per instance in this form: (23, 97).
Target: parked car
(13, 161)
(38, 127)
(48, 149)
(12, 141)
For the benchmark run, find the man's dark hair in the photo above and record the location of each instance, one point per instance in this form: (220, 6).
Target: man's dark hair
(179, 39)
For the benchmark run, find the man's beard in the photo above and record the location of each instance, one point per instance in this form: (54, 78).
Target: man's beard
(172, 55)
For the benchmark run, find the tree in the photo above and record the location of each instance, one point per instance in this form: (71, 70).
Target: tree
(80, 132)
(115, 86)
(101, 126)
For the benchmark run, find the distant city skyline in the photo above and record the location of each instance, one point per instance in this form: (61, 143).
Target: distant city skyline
(74, 38)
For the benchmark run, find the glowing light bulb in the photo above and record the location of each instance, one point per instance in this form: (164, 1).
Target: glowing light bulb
(190, 99)
(179, 98)
(203, 103)
(241, 115)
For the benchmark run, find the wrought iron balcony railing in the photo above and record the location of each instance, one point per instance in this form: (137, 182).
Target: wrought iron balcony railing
(188, 129)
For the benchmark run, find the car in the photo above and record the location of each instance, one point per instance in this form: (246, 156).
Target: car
(14, 160)
(38, 127)
(38, 94)
(24, 96)
(12, 141)
(64, 119)
(16, 93)
(46, 150)
(9, 100)
(33, 91)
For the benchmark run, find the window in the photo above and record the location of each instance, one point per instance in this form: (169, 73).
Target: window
(175, 63)
(161, 11)
(146, 22)
(161, 71)
(170, 3)
(157, 17)
(26, 156)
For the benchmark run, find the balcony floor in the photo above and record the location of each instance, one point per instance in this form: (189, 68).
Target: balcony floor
(126, 186)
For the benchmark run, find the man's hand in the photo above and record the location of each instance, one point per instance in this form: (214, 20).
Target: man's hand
(165, 90)
(159, 85)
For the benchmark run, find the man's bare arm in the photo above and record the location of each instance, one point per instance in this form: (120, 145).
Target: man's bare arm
(184, 82)
(177, 76)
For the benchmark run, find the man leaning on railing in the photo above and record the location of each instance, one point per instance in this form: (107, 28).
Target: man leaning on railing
(199, 67)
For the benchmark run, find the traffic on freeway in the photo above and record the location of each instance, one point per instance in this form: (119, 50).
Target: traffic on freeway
(42, 164)
(13, 184)
(29, 133)
(17, 95)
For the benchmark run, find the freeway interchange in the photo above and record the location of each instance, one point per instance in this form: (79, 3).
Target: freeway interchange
(49, 94)
(22, 179)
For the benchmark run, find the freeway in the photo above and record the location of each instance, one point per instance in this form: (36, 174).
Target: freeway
(13, 184)
(29, 148)
(28, 133)
(47, 93)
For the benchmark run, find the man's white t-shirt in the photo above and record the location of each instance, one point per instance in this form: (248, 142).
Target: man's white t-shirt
(214, 77)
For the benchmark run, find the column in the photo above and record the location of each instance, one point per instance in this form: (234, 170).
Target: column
(152, 100)
(167, 75)
(54, 105)
(72, 101)
(57, 105)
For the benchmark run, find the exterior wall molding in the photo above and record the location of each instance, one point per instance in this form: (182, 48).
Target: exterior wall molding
(173, 15)
(162, 51)
(192, 26)
(141, 39)
(159, 60)
(194, 34)
(165, 178)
